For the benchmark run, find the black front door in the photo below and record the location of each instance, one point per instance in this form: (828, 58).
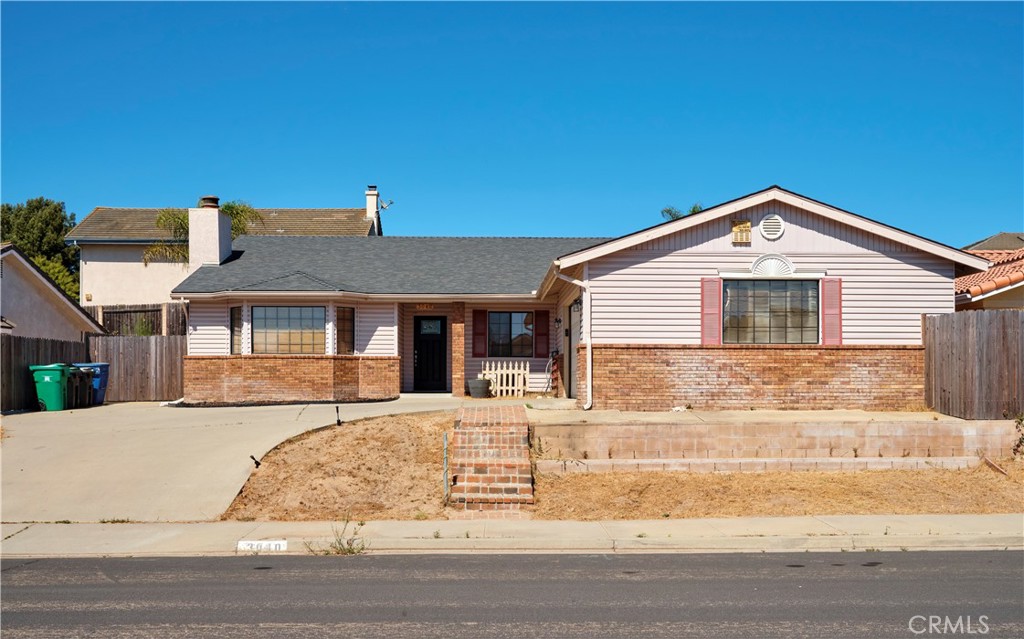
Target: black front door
(430, 354)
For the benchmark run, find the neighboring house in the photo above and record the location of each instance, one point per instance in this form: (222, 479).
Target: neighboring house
(998, 242)
(770, 300)
(112, 240)
(1001, 286)
(34, 306)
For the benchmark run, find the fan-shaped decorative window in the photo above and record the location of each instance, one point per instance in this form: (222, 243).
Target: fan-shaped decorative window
(772, 227)
(771, 265)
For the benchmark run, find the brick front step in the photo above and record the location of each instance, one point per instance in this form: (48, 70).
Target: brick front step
(490, 452)
(751, 465)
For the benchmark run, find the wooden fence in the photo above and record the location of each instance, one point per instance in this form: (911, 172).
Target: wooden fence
(508, 379)
(141, 319)
(142, 369)
(974, 363)
(17, 388)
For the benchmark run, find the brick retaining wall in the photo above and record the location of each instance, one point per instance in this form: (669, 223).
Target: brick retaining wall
(242, 379)
(730, 377)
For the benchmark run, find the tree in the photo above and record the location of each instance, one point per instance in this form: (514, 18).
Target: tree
(57, 272)
(37, 228)
(672, 213)
(175, 221)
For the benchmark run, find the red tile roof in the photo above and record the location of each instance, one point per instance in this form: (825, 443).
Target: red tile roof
(1007, 269)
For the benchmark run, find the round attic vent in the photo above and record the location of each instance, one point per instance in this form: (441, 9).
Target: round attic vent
(772, 227)
(771, 265)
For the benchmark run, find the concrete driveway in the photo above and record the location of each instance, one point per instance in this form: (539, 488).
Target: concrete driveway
(144, 462)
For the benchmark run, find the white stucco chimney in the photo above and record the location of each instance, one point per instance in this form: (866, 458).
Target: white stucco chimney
(209, 234)
(373, 207)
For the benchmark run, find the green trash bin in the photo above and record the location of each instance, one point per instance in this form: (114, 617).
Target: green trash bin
(51, 385)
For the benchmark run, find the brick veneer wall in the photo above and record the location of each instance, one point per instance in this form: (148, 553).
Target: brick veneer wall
(659, 377)
(458, 349)
(242, 379)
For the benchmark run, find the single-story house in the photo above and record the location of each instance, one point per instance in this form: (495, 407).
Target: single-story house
(112, 241)
(771, 300)
(34, 306)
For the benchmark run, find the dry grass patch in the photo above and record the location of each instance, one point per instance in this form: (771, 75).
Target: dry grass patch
(655, 495)
(378, 468)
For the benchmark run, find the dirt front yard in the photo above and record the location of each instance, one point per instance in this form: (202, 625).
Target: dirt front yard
(378, 468)
(391, 468)
(656, 495)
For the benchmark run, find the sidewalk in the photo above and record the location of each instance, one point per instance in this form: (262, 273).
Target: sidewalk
(750, 534)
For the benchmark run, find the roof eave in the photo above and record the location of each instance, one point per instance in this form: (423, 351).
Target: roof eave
(69, 240)
(388, 297)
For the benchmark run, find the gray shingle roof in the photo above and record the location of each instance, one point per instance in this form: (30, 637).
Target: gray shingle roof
(385, 265)
(139, 225)
(999, 242)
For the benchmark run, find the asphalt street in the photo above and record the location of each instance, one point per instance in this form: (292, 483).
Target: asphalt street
(852, 594)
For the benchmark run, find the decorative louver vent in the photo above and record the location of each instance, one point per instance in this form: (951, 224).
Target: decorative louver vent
(741, 231)
(772, 227)
(771, 266)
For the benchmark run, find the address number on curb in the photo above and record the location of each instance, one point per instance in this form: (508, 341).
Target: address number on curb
(263, 545)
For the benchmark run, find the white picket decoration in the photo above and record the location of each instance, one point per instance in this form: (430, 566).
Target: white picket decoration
(508, 379)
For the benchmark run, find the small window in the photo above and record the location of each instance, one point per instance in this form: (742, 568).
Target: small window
(285, 330)
(345, 326)
(510, 334)
(770, 312)
(236, 330)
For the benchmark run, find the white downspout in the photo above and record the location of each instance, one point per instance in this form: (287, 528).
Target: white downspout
(585, 285)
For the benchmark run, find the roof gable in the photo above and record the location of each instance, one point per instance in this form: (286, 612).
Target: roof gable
(10, 252)
(773, 194)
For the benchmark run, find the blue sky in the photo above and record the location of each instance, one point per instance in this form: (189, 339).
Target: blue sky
(521, 118)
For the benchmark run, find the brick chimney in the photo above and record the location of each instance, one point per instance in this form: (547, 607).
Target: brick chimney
(209, 234)
(373, 208)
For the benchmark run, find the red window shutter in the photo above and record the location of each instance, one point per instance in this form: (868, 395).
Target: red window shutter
(831, 311)
(479, 333)
(710, 310)
(541, 334)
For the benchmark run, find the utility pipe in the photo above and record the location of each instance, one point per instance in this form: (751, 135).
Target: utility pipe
(585, 285)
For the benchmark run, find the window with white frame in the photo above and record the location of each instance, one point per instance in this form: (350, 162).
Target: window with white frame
(289, 330)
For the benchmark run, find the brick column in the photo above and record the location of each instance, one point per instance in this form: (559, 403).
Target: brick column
(458, 349)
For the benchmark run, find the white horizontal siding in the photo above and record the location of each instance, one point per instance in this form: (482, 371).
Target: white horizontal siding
(654, 297)
(208, 330)
(376, 329)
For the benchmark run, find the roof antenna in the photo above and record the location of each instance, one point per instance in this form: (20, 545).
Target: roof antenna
(386, 205)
